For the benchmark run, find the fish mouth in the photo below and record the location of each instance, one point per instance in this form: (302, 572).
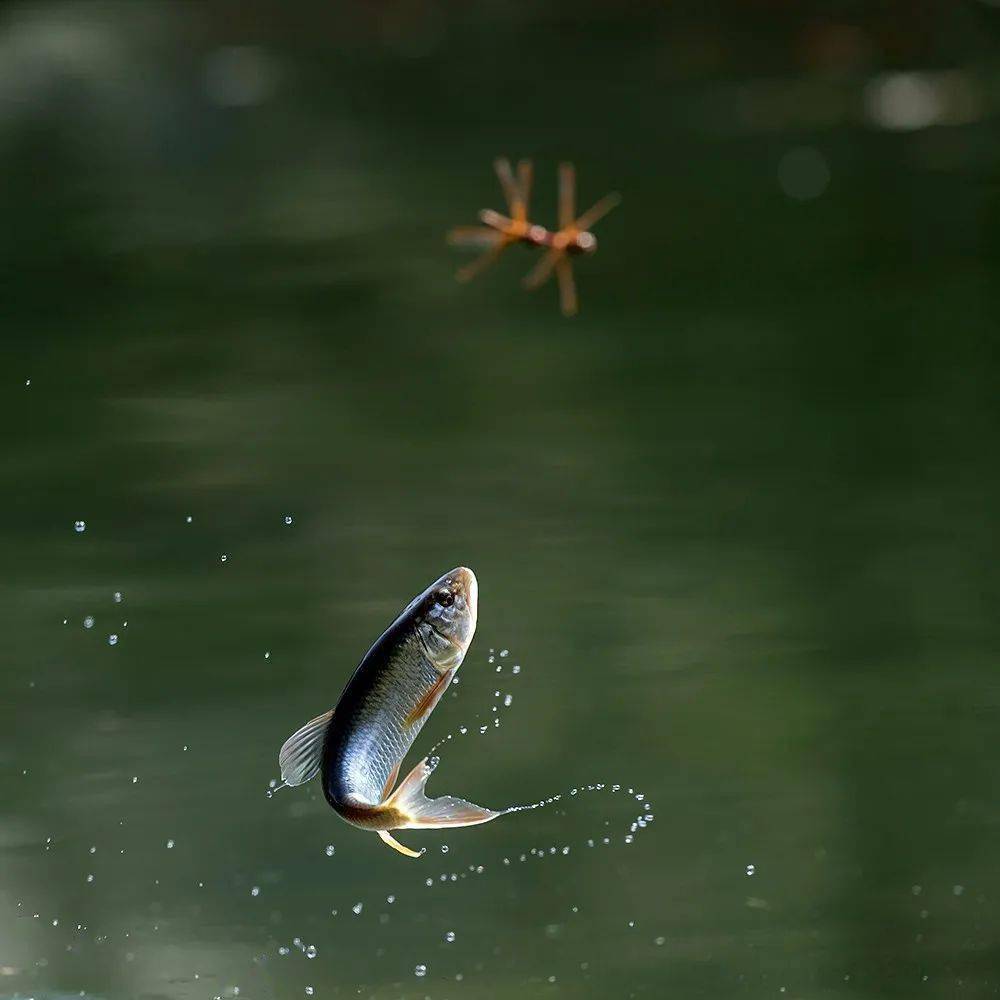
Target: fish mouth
(465, 580)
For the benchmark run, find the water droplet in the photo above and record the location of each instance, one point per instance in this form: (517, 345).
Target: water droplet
(118, 597)
(330, 850)
(751, 869)
(288, 519)
(957, 890)
(309, 991)
(420, 971)
(284, 950)
(516, 669)
(88, 622)
(311, 951)
(505, 652)
(90, 878)
(113, 639)
(27, 381)
(357, 908)
(255, 891)
(170, 845)
(660, 941)
(79, 526)
(449, 936)
(223, 557)
(267, 655)
(189, 519)
(445, 848)
(507, 700)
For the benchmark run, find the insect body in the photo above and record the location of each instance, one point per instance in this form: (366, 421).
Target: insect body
(571, 238)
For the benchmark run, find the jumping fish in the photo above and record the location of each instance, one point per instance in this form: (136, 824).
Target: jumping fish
(359, 745)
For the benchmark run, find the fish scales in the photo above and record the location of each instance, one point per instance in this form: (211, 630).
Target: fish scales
(362, 757)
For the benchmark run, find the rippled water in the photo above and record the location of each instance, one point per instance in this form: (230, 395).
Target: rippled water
(734, 527)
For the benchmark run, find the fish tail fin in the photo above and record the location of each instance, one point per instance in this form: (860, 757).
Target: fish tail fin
(417, 810)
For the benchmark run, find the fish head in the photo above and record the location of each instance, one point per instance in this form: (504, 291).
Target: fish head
(445, 616)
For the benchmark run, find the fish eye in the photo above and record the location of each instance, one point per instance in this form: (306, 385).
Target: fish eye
(445, 599)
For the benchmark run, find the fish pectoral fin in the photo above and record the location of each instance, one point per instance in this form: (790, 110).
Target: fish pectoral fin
(301, 755)
(417, 810)
(387, 838)
(426, 704)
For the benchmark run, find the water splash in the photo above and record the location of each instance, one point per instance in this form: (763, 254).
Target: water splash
(483, 723)
(502, 702)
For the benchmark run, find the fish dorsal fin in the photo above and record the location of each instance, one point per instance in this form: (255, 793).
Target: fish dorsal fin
(301, 754)
(418, 810)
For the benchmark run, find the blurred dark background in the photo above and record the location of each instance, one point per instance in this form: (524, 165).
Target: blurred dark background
(737, 522)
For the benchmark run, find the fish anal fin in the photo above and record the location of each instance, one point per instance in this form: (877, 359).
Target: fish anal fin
(301, 755)
(390, 781)
(431, 697)
(387, 838)
(416, 810)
